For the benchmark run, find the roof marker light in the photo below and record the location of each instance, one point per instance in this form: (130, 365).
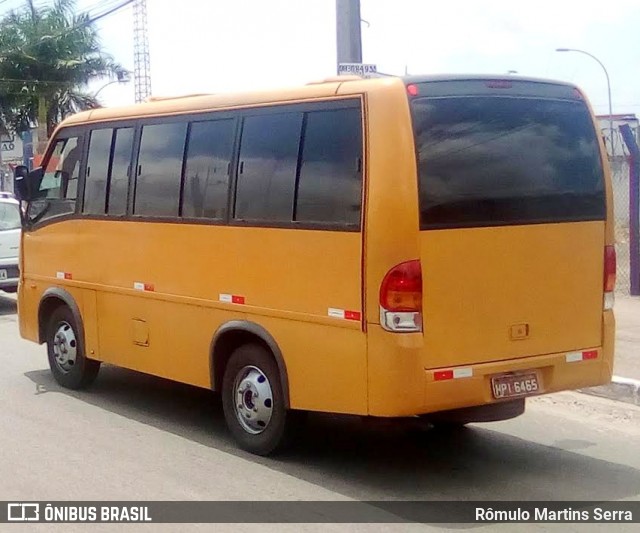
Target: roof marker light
(499, 84)
(412, 89)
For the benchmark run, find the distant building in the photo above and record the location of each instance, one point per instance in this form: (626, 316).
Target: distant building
(12, 154)
(12, 150)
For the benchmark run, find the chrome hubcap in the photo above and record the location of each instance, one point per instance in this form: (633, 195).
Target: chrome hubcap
(253, 399)
(65, 347)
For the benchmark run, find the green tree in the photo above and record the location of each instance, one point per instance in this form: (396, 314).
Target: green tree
(48, 55)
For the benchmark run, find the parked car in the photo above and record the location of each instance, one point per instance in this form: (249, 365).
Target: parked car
(10, 228)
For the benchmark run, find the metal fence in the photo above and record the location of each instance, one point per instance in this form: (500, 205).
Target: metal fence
(620, 177)
(620, 174)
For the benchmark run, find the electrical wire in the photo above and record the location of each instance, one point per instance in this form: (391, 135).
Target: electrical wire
(87, 22)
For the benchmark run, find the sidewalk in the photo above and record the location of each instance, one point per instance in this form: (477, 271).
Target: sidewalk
(626, 367)
(627, 361)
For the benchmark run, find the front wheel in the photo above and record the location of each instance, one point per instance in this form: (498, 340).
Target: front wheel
(253, 401)
(67, 360)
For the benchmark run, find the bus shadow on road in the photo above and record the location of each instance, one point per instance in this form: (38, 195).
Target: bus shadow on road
(368, 461)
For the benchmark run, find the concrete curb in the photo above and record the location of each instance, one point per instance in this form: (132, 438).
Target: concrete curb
(621, 389)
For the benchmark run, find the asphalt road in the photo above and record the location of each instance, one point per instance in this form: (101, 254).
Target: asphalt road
(134, 437)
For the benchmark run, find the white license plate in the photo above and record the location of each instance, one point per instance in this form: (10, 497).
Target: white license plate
(3, 274)
(515, 385)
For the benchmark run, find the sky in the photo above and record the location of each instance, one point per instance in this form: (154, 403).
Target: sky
(215, 46)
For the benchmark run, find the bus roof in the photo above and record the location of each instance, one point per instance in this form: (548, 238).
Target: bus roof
(480, 77)
(320, 89)
(198, 103)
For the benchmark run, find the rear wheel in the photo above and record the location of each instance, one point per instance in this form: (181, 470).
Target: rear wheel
(67, 360)
(253, 401)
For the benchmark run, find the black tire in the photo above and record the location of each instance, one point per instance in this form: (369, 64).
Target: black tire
(277, 432)
(72, 375)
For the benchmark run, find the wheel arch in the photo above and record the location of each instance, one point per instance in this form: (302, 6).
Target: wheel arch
(53, 298)
(235, 333)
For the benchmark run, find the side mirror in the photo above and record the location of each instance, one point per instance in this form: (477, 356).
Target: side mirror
(21, 183)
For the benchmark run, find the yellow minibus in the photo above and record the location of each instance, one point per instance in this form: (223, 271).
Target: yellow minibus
(437, 247)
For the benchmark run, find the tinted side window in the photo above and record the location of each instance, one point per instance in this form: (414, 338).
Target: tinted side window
(267, 169)
(159, 169)
(119, 180)
(330, 182)
(207, 170)
(58, 187)
(61, 173)
(95, 189)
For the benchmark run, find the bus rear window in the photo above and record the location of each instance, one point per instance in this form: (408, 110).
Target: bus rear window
(496, 160)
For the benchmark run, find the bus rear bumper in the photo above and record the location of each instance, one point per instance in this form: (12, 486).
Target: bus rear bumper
(408, 389)
(555, 372)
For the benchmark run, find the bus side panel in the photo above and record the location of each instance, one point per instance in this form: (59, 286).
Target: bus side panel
(326, 365)
(28, 298)
(156, 336)
(285, 280)
(47, 252)
(90, 320)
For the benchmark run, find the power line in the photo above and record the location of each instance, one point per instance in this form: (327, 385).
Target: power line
(95, 18)
(100, 6)
(107, 9)
(87, 22)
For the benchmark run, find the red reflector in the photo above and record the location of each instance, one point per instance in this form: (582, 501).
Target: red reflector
(149, 287)
(237, 299)
(412, 90)
(401, 289)
(441, 375)
(499, 84)
(352, 315)
(609, 268)
(591, 354)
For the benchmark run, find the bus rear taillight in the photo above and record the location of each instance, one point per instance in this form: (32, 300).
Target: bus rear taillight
(401, 298)
(609, 276)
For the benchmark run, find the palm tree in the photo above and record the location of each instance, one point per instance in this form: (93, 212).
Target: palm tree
(48, 55)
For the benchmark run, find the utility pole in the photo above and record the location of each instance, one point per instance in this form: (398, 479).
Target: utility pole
(348, 34)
